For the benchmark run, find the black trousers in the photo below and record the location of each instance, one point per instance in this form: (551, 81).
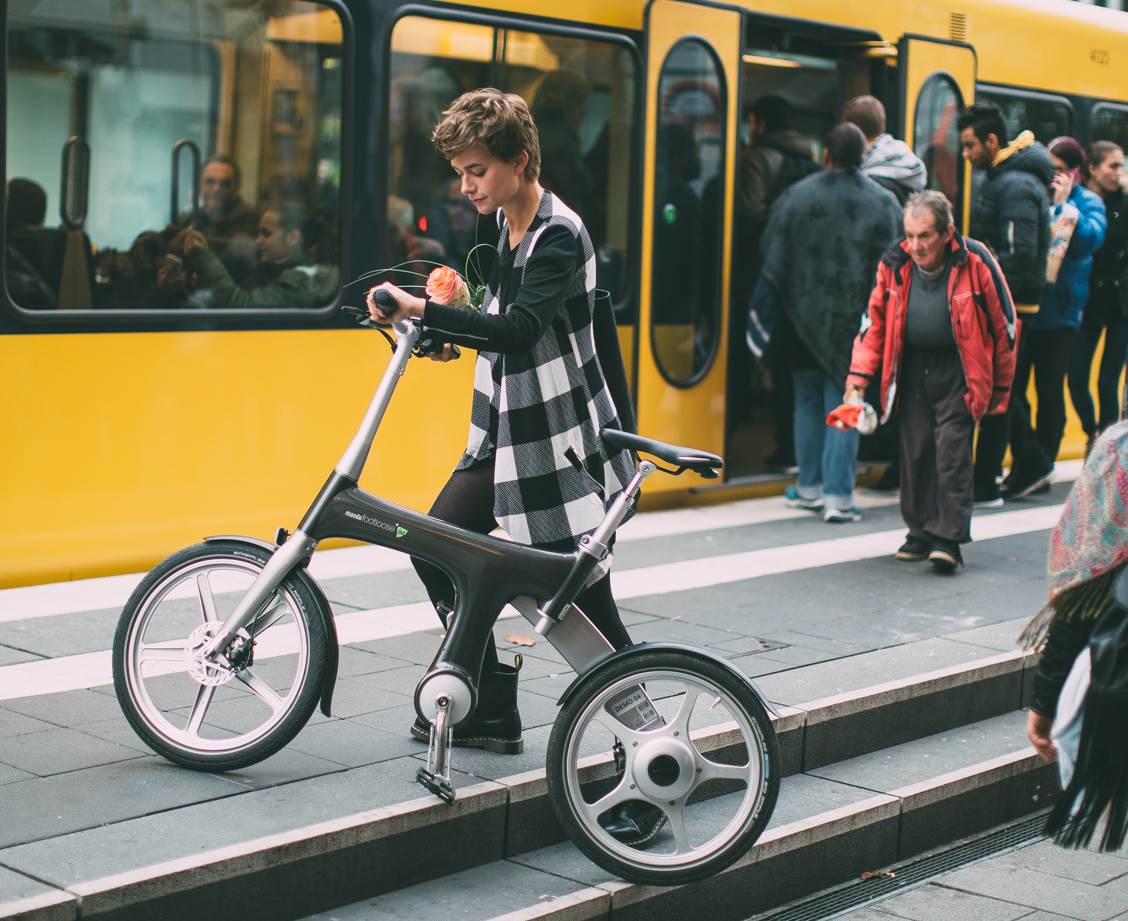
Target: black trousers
(467, 501)
(995, 432)
(1047, 354)
(936, 465)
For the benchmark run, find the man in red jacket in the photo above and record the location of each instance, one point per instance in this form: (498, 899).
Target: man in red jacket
(941, 328)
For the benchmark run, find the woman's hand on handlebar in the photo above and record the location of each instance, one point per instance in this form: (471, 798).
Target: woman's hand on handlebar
(407, 305)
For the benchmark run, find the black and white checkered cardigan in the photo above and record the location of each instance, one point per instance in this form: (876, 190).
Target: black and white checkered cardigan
(539, 413)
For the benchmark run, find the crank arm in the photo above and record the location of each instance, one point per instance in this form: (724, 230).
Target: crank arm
(435, 777)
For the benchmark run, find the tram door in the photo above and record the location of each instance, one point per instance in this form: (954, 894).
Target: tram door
(693, 54)
(938, 78)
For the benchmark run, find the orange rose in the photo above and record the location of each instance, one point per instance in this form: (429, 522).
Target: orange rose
(445, 286)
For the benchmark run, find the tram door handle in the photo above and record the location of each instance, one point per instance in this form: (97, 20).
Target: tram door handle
(174, 193)
(74, 197)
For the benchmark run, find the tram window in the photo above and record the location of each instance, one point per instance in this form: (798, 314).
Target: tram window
(258, 86)
(1048, 117)
(1109, 123)
(582, 95)
(936, 138)
(689, 197)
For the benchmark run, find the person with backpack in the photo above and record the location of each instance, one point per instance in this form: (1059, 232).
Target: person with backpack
(1079, 709)
(938, 338)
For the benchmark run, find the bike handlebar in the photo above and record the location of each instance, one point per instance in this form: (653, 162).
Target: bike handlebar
(423, 347)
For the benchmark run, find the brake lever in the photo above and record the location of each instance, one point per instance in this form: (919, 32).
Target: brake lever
(363, 318)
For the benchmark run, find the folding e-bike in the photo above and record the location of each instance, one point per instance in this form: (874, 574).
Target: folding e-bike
(224, 650)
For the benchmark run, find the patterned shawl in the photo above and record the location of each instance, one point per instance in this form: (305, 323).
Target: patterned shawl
(1089, 546)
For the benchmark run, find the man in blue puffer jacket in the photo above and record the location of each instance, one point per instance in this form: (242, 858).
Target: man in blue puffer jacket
(1050, 332)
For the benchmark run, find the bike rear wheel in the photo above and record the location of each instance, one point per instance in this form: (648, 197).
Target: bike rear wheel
(702, 760)
(217, 716)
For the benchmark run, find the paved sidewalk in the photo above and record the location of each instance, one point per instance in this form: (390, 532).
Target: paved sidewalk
(770, 588)
(1038, 882)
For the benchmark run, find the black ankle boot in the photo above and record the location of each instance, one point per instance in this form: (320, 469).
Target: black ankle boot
(495, 724)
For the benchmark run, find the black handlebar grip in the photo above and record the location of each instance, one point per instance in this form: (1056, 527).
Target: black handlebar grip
(385, 301)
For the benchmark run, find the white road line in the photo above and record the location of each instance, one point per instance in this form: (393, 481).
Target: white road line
(32, 601)
(93, 669)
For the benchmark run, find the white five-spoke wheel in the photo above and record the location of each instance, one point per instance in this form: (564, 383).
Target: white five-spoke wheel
(225, 712)
(680, 743)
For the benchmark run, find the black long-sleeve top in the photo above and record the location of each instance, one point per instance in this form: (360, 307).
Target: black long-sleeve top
(529, 303)
(1066, 639)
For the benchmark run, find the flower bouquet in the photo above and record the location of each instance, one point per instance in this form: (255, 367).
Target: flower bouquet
(443, 285)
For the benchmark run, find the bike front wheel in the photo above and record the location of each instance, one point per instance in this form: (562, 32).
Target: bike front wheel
(684, 743)
(226, 714)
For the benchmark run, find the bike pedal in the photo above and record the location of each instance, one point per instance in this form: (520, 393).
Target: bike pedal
(437, 784)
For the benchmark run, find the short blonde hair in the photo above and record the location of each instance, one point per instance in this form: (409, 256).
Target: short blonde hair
(499, 122)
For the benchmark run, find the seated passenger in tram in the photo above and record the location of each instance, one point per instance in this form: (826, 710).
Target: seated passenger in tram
(227, 222)
(286, 275)
(35, 253)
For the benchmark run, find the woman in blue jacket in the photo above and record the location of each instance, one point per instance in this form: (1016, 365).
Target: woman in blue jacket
(1051, 331)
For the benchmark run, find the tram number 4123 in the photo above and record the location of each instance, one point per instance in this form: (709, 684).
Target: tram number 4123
(1100, 56)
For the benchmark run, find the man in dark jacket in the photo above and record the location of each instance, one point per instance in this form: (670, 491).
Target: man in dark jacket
(1012, 217)
(821, 247)
(941, 329)
(285, 278)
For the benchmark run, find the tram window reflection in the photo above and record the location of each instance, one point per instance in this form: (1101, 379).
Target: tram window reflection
(251, 98)
(581, 92)
(1109, 123)
(936, 138)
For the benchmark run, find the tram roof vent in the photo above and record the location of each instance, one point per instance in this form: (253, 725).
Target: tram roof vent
(957, 27)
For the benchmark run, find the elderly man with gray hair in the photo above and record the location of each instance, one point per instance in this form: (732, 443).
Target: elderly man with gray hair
(940, 330)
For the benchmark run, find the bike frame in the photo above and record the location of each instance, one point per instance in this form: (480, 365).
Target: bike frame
(488, 572)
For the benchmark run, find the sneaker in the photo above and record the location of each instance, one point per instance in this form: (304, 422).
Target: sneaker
(945, 556)
(914, 550)
(1024, 483)
(792, 499)
(988, 497)
(842, 515)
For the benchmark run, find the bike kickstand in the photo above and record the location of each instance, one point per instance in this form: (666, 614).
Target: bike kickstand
(435, 776)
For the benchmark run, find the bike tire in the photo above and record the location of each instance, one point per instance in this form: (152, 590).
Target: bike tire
(638, 865)
(157, 726)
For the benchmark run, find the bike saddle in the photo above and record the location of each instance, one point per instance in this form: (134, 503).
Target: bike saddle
(701, 462)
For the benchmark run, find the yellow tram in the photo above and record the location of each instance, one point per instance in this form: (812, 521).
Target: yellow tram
(144, 410)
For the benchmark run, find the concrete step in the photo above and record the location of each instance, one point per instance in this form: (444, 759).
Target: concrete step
(830, 825)
(292, 849)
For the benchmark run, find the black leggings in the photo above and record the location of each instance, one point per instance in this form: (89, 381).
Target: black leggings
(467, 501)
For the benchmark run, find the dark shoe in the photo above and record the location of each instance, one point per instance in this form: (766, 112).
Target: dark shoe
(495, 724)
(988, 497)
(914, 550)
(945, 556)
(1025, 482)
(633, 822)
